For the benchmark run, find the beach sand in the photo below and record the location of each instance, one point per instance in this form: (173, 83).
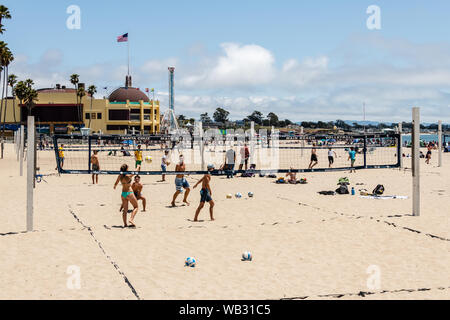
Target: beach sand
(305, 245)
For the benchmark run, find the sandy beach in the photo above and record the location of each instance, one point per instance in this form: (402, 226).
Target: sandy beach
(305, 245)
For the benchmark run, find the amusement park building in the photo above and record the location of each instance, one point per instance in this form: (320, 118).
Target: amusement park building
(56, 109)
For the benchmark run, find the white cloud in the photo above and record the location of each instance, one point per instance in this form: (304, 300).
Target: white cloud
(239, 66)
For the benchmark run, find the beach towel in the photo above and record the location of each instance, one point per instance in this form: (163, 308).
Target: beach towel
(327, 193)
(384, 197)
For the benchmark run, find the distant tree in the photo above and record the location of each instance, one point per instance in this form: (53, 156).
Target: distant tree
(273, 119)
(221, 115)
(181, 117)
(256, 116)
(92, 90)
(205, 118)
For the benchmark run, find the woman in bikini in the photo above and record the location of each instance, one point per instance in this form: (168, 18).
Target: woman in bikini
(127, 195)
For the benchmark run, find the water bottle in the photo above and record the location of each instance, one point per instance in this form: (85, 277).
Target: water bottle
(353, 191)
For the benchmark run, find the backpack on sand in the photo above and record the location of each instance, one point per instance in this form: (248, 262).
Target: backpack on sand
(343, 189)
(379, 190)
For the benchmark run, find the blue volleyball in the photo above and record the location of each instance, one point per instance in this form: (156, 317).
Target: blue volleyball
(247, 256)
(190, 262)
(238, 195)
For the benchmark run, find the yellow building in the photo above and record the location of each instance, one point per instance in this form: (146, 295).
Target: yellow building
(56, 108)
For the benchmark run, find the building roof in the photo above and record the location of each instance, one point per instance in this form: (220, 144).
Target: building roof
(123, 94)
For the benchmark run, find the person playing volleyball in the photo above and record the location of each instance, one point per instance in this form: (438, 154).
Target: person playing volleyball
(181, 182)
(137, 189)
(314, 160)
(205, 194)
(95, 167)
(138, 158)
(127, 196)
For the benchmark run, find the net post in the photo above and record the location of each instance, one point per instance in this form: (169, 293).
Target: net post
(21, 148)
(252, 141)
(55, 147)
(302, 131)
(416, 161)
(30, 172)
(400, 145)
(90, 153)
(440, 143)
(202, 145)
(365, 151)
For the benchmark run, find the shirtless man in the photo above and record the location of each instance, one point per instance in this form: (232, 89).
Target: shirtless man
(127, 196)
(164, 163)
(137, 190)
(95, 167)
(205, 194)
(314, 160)
(181, 182)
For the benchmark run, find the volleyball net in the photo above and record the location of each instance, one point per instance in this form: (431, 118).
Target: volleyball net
(240, 152)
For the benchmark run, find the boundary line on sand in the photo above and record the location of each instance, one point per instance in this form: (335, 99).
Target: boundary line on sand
(107, 256)
(363, 294)
(354, 216)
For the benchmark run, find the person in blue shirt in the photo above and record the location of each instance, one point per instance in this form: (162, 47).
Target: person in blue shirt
(352, 158)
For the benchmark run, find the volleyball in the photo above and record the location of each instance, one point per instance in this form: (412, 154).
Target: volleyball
(238, 195)
(190, 262)
(250, 194)
(148, 159)
(229, 196)
(247, 256)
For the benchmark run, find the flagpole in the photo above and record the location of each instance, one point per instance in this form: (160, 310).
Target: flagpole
(128, 44)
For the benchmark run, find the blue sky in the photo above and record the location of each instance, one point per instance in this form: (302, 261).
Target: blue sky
(304, 60)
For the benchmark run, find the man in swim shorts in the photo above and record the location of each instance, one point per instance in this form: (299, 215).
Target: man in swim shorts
(205, 194)
(181, 182)
(314, 160)
(138, 158)
(95, 167)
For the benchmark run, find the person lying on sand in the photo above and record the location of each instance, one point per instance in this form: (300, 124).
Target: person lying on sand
(205, 194)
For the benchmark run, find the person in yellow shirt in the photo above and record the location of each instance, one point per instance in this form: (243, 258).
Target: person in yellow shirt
(138, 158)
(61, 156)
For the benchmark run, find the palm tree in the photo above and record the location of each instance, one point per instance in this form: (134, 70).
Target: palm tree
(4, 14)
(80, 94)
(6, 57)
(12, 80)
(91, 91)
(75, 80)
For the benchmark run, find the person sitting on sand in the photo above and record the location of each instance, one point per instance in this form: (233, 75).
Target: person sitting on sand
(127, 196)
(181, 182)
(292, 176)
(95, 167)
(314, 160)
(205, 194)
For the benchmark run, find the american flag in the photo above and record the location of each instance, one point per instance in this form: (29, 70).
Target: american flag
(123, 38)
